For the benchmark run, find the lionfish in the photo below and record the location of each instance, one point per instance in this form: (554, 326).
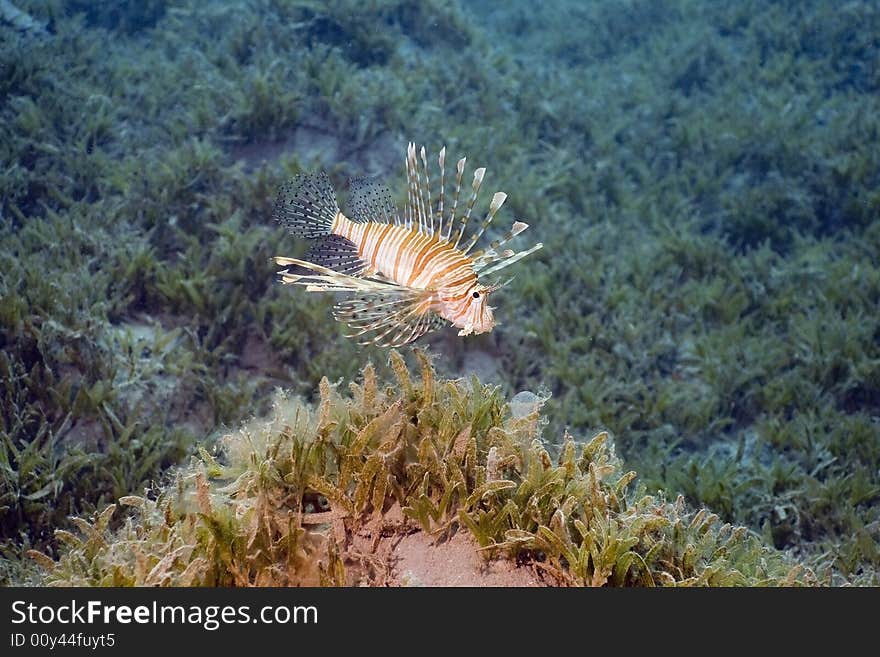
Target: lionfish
(408, 274)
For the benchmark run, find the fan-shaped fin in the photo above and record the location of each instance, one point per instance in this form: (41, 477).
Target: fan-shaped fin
(337, 253)
(370, 200)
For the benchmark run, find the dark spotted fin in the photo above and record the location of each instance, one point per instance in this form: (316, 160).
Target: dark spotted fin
(337, 253)
(306, 205)
(369, 200)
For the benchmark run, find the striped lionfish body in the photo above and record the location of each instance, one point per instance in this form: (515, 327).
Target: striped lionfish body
(408, 274)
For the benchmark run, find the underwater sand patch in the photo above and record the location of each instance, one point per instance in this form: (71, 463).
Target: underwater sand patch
(256, 353)
(420, 561)
(393, 551)
(461, 359)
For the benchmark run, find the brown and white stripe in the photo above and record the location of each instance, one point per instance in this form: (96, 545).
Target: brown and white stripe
(408, 273)
(408, 257)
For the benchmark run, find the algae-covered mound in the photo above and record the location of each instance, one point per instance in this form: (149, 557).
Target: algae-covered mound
(288, 500)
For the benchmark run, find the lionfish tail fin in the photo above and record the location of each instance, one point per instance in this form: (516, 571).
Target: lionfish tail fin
(306, 205)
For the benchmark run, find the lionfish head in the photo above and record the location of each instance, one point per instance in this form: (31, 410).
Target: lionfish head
(472, 313)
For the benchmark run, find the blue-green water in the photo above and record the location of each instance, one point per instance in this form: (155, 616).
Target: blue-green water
(705, 178)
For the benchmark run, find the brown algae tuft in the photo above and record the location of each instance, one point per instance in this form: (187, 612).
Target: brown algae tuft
(280, 501)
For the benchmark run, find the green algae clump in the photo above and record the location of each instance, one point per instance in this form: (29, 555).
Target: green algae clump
(281, 498)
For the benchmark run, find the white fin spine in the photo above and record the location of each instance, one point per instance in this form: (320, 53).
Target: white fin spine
(419, 195)
(475, 191)
(441, 160)
(419, 209)
(490, 255)
(517, 228)
(428, 202)
(506, 262)
(497, 201)
(411, 190)
(484, 258)
(459, 174)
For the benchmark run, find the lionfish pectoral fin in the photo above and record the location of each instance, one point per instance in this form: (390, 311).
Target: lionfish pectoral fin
(318, 278)
(388, 318)
(382, 313)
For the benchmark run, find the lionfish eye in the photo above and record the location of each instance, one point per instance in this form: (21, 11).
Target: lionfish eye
(476, 295)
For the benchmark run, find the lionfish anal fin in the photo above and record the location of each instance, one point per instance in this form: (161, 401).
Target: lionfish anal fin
(337, 253)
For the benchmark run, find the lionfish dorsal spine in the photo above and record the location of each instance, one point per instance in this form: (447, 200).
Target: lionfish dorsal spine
(441, 160)
(475, 191)
(484, 257)
(429, 204)
(507, 260)
(459, 174)
(418, 196)
(497, 201)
